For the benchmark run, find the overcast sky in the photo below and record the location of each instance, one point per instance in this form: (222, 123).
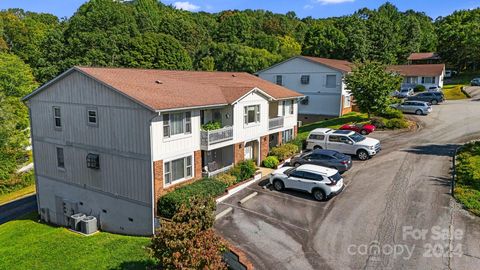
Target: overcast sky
(303, 8)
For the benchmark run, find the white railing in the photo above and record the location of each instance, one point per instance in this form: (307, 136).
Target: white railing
(277, 122)
(212, 137)
(219, 171)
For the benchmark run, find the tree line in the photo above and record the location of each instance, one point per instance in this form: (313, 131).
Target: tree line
(36, 47)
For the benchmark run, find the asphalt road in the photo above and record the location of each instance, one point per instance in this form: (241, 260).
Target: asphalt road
(18, 208)
(395, 213)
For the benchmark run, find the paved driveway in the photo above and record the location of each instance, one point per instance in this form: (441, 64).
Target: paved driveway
(398, 201)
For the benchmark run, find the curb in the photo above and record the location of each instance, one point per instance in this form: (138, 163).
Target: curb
(223, 213)
(244, 200)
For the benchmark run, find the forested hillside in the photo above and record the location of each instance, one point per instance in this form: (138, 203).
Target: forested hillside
(149, 34)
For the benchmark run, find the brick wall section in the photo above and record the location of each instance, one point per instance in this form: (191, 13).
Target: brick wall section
(280, 138)
(345, 110)
(238, 152)
(295, 131)
(158, 176)
(264, 142)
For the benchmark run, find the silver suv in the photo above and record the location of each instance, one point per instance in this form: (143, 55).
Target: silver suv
(416, 107)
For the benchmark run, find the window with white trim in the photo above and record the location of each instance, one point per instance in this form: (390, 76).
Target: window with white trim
(279, 79)
(411, 80)
(178, 169)
(428, 80)
(177, 123)
(60, 158)
(251, 114)
(57, 117)
(287, 107)
(92, 117)
(305, 79)
(331, 81)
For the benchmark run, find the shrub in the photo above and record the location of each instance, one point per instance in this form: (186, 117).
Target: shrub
(284, 151)
(271, 162)
(244, 170)
(212, 125)
(169, 204)
(378, 122)
(391, 113)
(189, 240)
(396, 123)
(419, 88)
(227, 179)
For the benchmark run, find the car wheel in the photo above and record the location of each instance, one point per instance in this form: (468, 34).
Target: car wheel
(278, 185)
(434, 102)
(362, 155)
(319, 195)
(363, 132)
(418, 112)
(316, 147)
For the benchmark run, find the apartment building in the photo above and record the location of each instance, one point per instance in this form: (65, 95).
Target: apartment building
(109, 142)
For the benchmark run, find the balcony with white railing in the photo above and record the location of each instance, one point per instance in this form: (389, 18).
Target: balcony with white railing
(277, 122)
(210, 138)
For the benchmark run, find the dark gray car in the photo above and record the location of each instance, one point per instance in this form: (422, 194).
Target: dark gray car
(325, 158)
(430, 97)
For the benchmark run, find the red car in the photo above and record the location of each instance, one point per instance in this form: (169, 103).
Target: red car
(363, 129)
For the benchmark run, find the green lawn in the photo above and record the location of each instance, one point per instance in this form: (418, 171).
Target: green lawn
(28, 244)
(467, 189)
(333, 123)
(454, 92)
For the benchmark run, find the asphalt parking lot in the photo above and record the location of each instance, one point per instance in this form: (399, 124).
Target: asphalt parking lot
(405, 189)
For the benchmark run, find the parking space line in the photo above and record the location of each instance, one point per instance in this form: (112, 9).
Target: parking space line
(265, 216)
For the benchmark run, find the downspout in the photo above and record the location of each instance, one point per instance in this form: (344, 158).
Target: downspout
(152, 177)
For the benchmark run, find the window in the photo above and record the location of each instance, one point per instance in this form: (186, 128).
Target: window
(305, 100)
(331, 81)
(60, 158)
(317, 137)
(93, 161)
(287, 106)
(411, 80)
(428, 79)
(305, 79)
(57, 118)
(312, 176)
(347, 102)
(279, 79)
(298, 174)
(177, 123)
(334, 139)
(252, 114)
(287, 135)
(92, 117)
(178, 169)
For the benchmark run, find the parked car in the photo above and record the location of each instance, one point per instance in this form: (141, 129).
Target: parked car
(343, 141)
(326, 158)
(363, 129)
(416, 107)
(434, 89)
(405, 92)
(319, 181)
(431, 97)
(475, 82)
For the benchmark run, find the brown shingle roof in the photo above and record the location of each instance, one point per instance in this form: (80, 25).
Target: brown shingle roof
(341, 65)
(418, 70)
(423, 56)
(165, 89)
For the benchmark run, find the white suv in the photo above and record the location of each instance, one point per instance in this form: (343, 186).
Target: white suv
(321, 182)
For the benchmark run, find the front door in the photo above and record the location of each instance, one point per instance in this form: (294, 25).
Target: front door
(248, 152)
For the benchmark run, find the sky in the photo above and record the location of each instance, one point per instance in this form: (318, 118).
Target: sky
(303, 8)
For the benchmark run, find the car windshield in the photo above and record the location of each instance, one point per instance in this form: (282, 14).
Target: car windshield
(357, 137)
(405, 90)
(289, 171)
(336, 177)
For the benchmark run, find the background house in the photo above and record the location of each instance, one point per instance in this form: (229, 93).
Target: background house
(319, 79)
(426, 75)
(109, 141)
(424, 58)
